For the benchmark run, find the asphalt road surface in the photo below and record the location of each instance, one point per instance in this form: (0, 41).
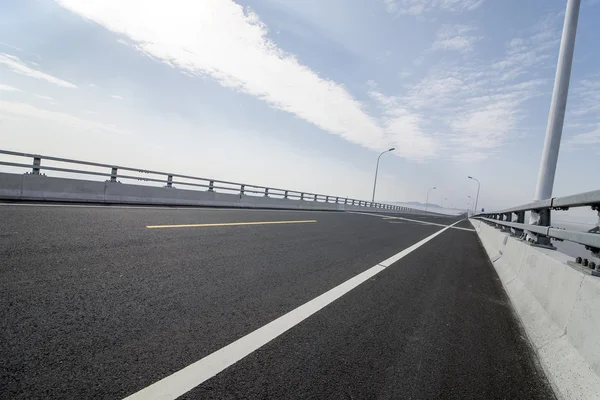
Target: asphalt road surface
(103, 302)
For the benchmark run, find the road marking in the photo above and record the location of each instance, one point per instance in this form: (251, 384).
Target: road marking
(425, 223)
(195, 374)
(232, 224)
(388, 218)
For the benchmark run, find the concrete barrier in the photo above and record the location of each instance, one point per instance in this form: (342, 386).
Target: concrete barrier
(30, 187)
(558, 307)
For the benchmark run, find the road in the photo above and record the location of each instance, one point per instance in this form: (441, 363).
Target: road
(103, 302)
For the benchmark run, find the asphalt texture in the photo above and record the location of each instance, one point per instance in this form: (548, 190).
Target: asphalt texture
(95, 305)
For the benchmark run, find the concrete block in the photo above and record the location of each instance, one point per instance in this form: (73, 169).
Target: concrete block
(36, 187)
(493, 240)
(509, 264)
(571, 375)
(583, 328)
(552, 283)
(40, 187)
(10, 185)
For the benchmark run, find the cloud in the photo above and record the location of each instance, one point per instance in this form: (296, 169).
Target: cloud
(456, 38)
(417, 7)
(219, 39)
(8, 88)
(584, 139)
(583, 114)
(117, 97)
(477, 104)
(30, 112)
(47, 98)
(15, 64)
(485, 127)
(524, 53)
(403, 128)
(586, 98)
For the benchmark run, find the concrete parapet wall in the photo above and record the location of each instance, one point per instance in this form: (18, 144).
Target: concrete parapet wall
(43, 188)
(558, 306)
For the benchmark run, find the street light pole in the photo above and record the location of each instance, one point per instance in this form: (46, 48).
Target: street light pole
(427, 201)
(558, 106)
(477, 199)
(376, 170)
(445, 198)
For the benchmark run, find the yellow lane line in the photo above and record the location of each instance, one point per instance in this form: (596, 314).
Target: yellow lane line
(231, 224)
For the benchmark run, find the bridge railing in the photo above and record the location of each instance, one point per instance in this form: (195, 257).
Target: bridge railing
(114, 173)
(512, 220)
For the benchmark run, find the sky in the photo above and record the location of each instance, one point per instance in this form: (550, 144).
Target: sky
(305, 94)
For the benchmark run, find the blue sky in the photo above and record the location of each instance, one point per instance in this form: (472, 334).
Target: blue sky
(304, 94)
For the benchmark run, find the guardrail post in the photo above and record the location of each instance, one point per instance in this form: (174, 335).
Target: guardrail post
(285, 195)
(242, 189)
(170, 181)
(327, 199)
(337, 200)
(301, 196)
(507, 218)
(315, 199)
(37, 161)
(541, 218)
(520, 220)
(211, 186)
(496, 217)
(266, 192)
(113, 174)
(346, 200)
(596, 230)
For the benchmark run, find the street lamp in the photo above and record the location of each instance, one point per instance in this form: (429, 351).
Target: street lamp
(377, 169)
(477, 199)
(427, 201)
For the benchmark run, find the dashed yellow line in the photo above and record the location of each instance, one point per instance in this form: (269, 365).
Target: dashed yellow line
(232, 224)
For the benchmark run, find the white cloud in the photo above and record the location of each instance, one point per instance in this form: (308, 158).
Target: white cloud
(8, 88)
(48, 98)
(455, 37)
(30, 112)
(417, 7)
(15, 64)
(117, 97)
(435, 90)
(584, 139)
(220, 39)
(479, 104)
(525, 53)
(485, 127)
(586, 98)
(403, 128)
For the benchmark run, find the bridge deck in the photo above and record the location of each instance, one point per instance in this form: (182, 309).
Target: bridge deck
(96, 305)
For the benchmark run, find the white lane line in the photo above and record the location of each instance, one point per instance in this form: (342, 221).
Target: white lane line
(195, 374)
(414, 220)
(425, 223)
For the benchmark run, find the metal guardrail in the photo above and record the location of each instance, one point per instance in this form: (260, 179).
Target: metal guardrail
(171, 179)
(542, 230)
